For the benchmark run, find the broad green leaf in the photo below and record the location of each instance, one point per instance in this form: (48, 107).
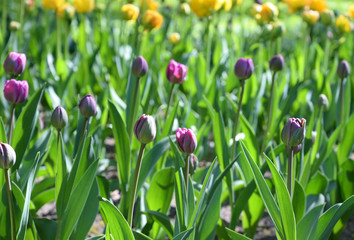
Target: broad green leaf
(346, 144)
(252, 213)
(307, 225)
(345, 179)
(46, 228)
(118, 226)
(163, 220)
(317, 184)
(299, 201)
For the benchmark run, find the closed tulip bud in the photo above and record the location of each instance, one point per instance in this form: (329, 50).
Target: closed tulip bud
(186, 140)
(7, 156)
(130, 12)
(145, 129)
(343, 24)
(14, 26)
(152, 20)
(296, 149)
(139, 67)
(193, 164)
(16, 91)
(278, 29)
(176, 72)
(15, 63)
(293, 132)
(327, 17)
(174, 38)
(310, 16)
(87, 106)
(185, 8)
(323, 101)
(276, 63)
(59, 118)
(268, 12)
(84, 6)
(244, 68)
(343, 69)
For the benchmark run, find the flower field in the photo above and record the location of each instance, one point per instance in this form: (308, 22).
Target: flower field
(183, 120)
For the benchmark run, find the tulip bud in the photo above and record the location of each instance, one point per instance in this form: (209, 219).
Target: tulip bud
(310, 16)
(296, 148)
(186, 140)
(193, 164)
(174, 38)
(129, 12)
(343, 69)
(7, 156)
(176, 72)
(244, 68)
(276, 63)
(152, 20)
(59, 118)
(185, 8)
(14, 26)
(87, 106)
(15, 63)
(145, 129)
(293, 132)
(327, 17)
(323, 101)
(16, 91)
(139, 67)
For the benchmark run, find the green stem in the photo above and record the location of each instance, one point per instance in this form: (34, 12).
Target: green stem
(12, 123)
(237, 118)
(134, 108)
(11, 204)
(57, 236)
(22, 9)
(169, 101)
(341, 103)
(135, 184)
(290, 172)
(58, 37)
(208, 52)
(83, 130)
(270, 109)
(186, 171)
(4, 15)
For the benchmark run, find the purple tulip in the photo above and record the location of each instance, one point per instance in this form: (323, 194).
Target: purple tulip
(244, 68)
(145, 129)
(276, 63)
(15, 63)
(16, 91)
(139, 67)
(7, 156)
(87, 106)
(176, 72)
(186, 140)
(293, 132)
(59, 118)
(343, 69)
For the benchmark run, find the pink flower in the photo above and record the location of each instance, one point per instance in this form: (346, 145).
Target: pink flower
(186, 140)
(16, 91)
(15, 63)
(176, 72)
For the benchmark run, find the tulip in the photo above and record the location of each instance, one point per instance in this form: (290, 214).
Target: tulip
(327, 17)
(343, 69)
(310, 16)
(293, 132)
(276, 63)
(145, 129)
(185, 9)
(14, 26)
(7, 156)
(174, 38)
(351, 11)
(66, 11)
(343, 24)
(15, 63)
(318, 5)
(139, 67)
(193, 164)
(16, 91)
(87, 106)
(343, 72)
(59, 118)
(149, 4)
(186, 140)
(323, 101)
(152, 20)
(176, 72)
(268, 12)
(52, 4)
(130, 12)
(84, 6)
(244, 68)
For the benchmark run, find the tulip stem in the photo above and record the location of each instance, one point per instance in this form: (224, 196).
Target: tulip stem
(186, 171)
(4, 15)
(290, 171)
(237, 118)
(169, 101)
(22, 9)
(12, 123)
(341, 101)
(11, 204)
(270, 110)
(134, 108)
(135, 184)
(83, 130)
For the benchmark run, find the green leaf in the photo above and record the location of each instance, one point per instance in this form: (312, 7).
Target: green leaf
(77, 201)
(252, 213)
(140, 236)
(299, 201)
(346, 144)
(307, 225)
(25, 126)
(169, 121)
(236, 236)
(317, 184)
(265, 192)
(122, 146)
(3, 137)
(163, 220)
(46, 228)
(329, 219)
(118, 226)
(345, 179)
(183, 235)
(284, 201)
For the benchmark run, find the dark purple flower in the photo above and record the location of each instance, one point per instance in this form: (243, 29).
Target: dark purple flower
(343, 69)
(145, 129)
(244, 68)
(16, 91)
(87, 106)
(139, 67)
(276, 63)
(15, 63)
(186, 140)
(7, 156)
(176, 72)
(293, 132)
(59, 118)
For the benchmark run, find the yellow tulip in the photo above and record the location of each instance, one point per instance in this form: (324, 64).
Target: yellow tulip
(351, 11)
(185, 8)
(268, 12)
(310, 16)
(227, 5)
(295, 5)
(149, 4)
(84, 6)
(343, 24)
(204, 8)
(52, 4)
(152, 20)
(66, 10)
(318, 5)
(174, 38)
(130, 12)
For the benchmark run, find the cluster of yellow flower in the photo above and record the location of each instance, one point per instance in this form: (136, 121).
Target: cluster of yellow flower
(66, 10)
(204, 8)
(264, 13)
